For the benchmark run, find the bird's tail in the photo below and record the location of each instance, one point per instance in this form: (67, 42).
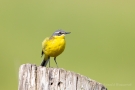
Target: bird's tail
(45, 61)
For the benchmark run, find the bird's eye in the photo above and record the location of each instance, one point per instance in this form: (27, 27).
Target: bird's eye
(60, 33)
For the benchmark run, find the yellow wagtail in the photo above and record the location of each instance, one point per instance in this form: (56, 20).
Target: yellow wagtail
(53, 46)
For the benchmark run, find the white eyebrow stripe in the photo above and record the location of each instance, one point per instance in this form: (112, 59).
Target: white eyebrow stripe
(56, 32)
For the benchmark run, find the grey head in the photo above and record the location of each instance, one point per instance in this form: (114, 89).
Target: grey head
(60, 32)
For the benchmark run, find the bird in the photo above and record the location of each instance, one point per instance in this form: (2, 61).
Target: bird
(53, 46)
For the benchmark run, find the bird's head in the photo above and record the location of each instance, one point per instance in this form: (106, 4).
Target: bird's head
(60, 33)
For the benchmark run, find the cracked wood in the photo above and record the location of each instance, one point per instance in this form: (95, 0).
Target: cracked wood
(32, 77)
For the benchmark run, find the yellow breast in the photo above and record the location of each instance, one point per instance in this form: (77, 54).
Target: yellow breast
(54, 46)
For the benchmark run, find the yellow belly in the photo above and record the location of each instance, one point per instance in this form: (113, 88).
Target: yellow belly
(54, 47)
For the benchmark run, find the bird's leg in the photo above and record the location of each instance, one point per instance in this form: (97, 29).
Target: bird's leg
(49, 61)
(55, 61)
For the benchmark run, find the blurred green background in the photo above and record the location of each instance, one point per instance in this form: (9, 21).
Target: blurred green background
(101, 45)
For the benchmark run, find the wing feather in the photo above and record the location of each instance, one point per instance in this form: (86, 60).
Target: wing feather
(44, 44)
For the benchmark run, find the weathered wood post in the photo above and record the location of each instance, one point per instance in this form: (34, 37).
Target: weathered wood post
(32, 77)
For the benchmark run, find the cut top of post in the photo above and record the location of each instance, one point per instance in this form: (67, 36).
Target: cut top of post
(32, 77)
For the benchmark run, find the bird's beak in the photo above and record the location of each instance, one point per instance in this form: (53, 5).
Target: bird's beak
(67, 32)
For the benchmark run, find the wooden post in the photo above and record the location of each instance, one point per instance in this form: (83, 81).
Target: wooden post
(32, 77)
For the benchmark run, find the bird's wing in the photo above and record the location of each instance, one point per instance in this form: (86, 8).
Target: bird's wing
(44, 44)
(42, 53)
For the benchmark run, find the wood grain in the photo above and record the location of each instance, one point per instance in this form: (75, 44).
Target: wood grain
(32, 77)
